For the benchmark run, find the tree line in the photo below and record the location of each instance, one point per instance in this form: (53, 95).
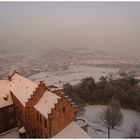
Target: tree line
(126, 90)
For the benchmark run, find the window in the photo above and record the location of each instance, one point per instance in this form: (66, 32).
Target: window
(38, 131)
(41, 131)
(46, 136)
(37, 116)
(33, 131)
(40, 119)
(45, 123)
(63, 109)
(28, 114)
(11, 109)
(12, 121)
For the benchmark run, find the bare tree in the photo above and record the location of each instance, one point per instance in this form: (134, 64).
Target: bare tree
(111, 116)
(104, 119)
(115, 112)
(135, 131)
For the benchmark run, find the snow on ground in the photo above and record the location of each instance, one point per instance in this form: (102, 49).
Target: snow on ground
(73, 75)
(10, 134)
(95, 129)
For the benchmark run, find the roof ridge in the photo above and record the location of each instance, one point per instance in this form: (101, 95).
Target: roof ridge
(37, 94)
(24, 78)
(55, 105)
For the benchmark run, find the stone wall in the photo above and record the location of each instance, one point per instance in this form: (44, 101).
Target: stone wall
(37, 94)
(7, 118)
(19, 111)
(63, 114)
(42, 129)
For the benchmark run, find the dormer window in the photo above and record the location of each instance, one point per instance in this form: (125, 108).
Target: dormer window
(5, 97)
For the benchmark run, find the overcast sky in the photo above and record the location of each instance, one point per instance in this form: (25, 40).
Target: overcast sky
(110, 26)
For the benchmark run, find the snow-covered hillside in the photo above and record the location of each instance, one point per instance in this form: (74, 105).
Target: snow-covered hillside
(73, 75)
(31, 62)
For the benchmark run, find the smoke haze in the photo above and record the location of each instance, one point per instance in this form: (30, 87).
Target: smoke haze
(113, 27)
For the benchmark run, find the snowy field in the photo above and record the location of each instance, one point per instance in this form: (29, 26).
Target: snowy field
(95, 129)
(73, 75)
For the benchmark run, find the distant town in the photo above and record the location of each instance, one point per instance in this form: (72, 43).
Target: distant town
(32, 62)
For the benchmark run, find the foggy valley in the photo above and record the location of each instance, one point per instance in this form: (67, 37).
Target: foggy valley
(59, 60)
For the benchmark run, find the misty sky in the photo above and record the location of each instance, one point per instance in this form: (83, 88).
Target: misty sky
(110, 26)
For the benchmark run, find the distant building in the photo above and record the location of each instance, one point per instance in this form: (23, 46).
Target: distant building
(40, 111)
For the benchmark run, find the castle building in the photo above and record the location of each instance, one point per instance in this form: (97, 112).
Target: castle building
(36, 108)
(7, 112)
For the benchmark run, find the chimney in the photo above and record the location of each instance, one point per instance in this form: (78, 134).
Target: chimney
(9, 78)
(42, 84)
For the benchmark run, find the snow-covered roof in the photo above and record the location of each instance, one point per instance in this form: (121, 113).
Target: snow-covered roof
(22, 130)
(22, 88)
(73, 130)
(52, 89)
(5, 96)
(137, 77)
(46, 103)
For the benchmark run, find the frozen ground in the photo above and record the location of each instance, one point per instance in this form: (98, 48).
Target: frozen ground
(95, 130)
(10, 134)
(73, 75)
